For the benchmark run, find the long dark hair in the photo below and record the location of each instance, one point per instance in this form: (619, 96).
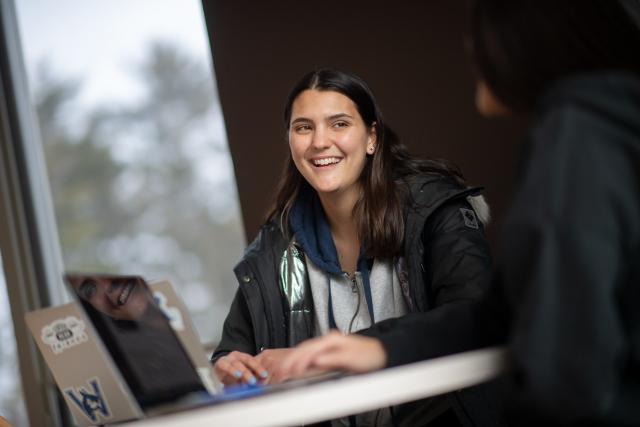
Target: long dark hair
(521, 47)
(379, 211)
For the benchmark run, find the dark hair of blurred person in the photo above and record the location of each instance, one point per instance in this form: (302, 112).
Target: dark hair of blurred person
(521, 48)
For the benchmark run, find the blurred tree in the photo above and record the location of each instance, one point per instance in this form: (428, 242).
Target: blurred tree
(81, 171)
(147, 187)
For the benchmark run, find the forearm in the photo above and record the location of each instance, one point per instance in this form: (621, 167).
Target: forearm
(448, 329)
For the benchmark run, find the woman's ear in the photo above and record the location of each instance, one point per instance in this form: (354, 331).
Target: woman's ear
(372, 139)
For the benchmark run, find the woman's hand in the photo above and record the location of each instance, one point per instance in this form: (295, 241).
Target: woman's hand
(334, 351)
(239, 368)
(271, 359)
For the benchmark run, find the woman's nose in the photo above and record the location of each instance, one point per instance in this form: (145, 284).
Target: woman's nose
(320, 139)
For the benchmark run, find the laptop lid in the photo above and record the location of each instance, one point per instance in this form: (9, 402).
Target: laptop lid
(138, 336)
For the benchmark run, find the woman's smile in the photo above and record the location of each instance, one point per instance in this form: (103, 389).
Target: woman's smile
(325, 162)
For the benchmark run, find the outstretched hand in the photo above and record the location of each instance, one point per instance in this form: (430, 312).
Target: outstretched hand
(334, 351)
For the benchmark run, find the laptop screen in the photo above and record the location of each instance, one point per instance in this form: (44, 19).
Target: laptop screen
(138, 336)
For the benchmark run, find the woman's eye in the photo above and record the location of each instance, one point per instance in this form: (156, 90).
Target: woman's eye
(303, 128)
(340, 124)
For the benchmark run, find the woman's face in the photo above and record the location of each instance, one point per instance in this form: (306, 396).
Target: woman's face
(487, 103)
(329, 141)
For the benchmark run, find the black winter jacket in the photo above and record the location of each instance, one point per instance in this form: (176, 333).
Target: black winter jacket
(446, 258)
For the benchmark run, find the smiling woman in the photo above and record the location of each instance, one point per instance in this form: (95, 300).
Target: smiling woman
(360, 232)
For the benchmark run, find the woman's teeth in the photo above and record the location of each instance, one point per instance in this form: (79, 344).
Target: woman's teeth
(326, 161)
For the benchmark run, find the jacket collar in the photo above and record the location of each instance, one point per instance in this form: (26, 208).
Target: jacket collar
(311, 230)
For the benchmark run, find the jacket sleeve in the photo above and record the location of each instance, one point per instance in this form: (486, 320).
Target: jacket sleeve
(457, 267)
(456, 259)
(237, 332)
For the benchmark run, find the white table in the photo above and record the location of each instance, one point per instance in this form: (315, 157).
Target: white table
(345, 396)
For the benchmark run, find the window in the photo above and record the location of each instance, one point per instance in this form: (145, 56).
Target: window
(135, 145)
(11, 399)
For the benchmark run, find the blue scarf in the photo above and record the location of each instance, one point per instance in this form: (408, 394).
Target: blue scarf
(311, 229)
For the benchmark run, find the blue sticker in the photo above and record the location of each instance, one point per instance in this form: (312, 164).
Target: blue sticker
(92, 403)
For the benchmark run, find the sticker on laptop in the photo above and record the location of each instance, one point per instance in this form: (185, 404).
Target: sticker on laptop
(63, 334)
(90, 400)
(173, 313)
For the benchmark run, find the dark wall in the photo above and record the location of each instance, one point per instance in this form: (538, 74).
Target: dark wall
(410, 53)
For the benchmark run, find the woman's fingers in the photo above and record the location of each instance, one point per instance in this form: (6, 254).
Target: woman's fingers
(302, 358)
(225, 371)
(254, 369)
(335, 352)
(271, 359)
(237, 367)
(242, 372)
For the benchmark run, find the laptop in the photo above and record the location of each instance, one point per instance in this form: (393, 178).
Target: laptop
(131, 351)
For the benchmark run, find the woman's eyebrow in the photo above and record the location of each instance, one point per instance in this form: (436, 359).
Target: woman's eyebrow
(300, 120)
(331, 117)
(339, 116)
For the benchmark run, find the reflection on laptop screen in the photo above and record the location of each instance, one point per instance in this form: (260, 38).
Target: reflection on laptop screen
(138, 336)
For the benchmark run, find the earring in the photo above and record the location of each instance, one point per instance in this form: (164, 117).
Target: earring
(371, 149)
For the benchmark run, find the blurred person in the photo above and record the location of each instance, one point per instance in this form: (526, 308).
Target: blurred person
(360, 232)
(569, 271)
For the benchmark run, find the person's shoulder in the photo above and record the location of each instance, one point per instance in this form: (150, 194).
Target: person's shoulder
(431, 190)
(576, 140)
(435, 183)
(270, 237)
(596, 111)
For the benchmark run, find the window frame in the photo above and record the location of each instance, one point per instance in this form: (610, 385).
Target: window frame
(29, 245)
